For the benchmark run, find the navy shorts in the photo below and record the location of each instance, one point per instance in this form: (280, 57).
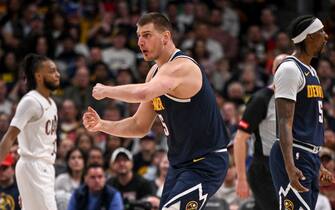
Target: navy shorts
(309, 164)
(191, 185)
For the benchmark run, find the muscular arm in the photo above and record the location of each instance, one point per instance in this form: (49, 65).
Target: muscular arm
(285, 111)
(132, 127)
(168, 78)
(7, 141)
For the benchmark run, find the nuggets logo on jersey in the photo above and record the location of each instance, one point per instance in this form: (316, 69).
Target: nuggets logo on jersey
(192, 205)
(6, 202)
(314, 91)
(288, 204)
(157, 103)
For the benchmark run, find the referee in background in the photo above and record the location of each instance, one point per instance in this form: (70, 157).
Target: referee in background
(259, 123)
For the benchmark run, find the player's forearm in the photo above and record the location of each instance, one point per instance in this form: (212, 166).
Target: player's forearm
(286, 142)
(132, 93)
(6, 143)
(127, 128)
(240, 150)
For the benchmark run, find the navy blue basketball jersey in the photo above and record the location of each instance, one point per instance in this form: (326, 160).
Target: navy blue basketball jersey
(194, 126)
(308, 113)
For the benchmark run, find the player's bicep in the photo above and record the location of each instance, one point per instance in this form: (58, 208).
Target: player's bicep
(145, 116)
(285, 111)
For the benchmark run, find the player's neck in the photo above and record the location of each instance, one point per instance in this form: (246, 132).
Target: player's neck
(166, 55)
(303, 57)
(43, 91)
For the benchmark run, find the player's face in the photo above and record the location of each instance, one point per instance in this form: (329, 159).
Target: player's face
(95, 179)
(319, 40)
(150, 41)
(51, 76)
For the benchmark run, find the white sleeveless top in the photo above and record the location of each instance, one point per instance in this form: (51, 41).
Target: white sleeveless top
(36, 118)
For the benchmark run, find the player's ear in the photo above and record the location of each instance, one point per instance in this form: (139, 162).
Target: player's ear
(166, 37)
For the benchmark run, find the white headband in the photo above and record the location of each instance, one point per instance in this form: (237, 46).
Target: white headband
(314, 27)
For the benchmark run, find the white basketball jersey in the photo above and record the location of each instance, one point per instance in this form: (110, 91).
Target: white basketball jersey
(37, 139)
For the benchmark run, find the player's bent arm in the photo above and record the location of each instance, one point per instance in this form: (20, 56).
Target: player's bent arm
(240, 150)
(133, 127)
(285, 111)
(7, 141)
(169, 77)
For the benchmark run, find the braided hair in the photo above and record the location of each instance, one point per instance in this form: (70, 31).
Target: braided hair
(31, 63)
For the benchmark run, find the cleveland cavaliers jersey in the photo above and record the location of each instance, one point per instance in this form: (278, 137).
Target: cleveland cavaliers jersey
(194, 126)
(308, 113)
(37, 138)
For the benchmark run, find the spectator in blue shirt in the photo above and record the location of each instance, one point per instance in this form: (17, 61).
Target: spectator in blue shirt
(94, 194)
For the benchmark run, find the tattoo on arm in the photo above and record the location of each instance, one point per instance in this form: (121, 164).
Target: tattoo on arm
(285, 114)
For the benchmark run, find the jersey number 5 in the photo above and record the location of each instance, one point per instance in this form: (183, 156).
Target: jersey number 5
(166, 130)
(320, 112)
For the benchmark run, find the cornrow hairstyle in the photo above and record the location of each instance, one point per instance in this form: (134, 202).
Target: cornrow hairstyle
(297, 26)
(160, 21)
(31, 63)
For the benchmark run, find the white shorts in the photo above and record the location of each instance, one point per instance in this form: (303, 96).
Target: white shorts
(36, 183)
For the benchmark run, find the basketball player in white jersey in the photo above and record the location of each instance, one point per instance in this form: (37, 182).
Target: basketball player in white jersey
(35, 124)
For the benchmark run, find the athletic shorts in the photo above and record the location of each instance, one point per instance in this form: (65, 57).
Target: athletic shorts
(288, 197)
(190, 185)
(36, 183)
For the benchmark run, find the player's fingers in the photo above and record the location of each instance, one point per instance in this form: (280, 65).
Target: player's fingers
(299, 187)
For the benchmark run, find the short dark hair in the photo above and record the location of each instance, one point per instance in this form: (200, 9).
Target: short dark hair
(297, 26)
(31, 63)
(94, 166)
(160, 21)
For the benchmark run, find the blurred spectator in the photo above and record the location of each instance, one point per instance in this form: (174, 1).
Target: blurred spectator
(202, 32)
(163, 166)
(9, 193)
(322, 203)
(9, 68)
(231, 19)
(4, 123)
(329, 139)
(235, 93)
(327, 157)
(95, 194)
(132, 186)
(255, 42)
(227, 41)
(85, 142)
(143, 159)
(119, 56)
(100, 34)
(269, 27)
(75, 164)
(227, 190)
(186, 17)
(80, 91)
(230, 116)
(5, 104)
(63, 148)
(68, 121)
(95, 156)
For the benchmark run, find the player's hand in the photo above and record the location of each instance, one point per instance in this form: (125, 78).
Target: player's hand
(98, 91)
(326, 177)
(295, 175)
(91, 120)
(242, 188)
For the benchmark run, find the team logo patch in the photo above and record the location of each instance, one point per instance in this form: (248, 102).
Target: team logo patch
(192, 205)
(157, 103)
(288, 204)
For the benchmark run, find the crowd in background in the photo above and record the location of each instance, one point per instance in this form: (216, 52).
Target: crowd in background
(96, 42)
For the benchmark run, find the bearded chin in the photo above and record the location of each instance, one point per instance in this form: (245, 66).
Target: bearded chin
(50, 85)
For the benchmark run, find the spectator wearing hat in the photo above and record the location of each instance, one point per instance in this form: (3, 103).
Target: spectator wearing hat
(131, 185)
(9, 192)
(143, 159)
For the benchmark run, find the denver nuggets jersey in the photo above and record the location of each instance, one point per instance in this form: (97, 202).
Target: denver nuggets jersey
(308, 113)
(37, 139)
(194, 126)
